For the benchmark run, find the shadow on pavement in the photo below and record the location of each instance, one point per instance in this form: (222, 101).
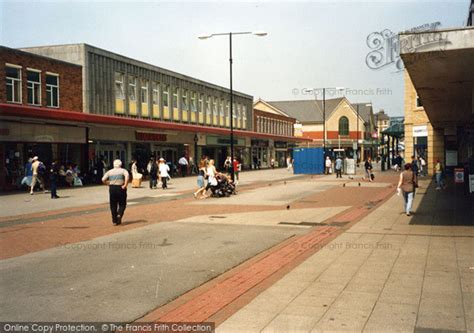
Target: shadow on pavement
(453, 206)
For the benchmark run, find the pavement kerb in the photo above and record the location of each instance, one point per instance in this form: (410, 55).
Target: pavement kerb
(225, 312)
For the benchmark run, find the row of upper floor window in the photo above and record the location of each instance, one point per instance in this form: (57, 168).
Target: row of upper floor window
(163, 101)
(14, 86)
(273, 126)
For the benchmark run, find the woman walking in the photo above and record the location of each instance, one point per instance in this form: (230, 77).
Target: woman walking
(407, 185)
(201, 191)
(211, 175)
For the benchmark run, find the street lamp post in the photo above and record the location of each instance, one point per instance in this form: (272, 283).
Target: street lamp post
(257, 33)
(314, 91)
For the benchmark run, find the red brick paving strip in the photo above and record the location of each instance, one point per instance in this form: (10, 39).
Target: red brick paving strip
(210, 302)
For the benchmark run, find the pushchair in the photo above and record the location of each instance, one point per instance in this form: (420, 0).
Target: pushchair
(224, 187)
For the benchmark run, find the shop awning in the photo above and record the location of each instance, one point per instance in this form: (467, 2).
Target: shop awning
(83, 119)
(441, 65)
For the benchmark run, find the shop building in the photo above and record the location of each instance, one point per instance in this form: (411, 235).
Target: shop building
(439, 90)
(31, 85)
(335, 124)
(270, 120)
(115, 85)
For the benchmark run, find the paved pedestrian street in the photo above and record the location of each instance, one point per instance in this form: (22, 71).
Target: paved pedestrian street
(288, 253)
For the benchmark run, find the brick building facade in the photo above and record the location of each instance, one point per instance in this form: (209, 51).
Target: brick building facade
(32, 88)
(421, 139)
(69, 78)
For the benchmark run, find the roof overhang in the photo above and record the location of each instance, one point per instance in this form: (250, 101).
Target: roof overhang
(441, 66)
(87, 119)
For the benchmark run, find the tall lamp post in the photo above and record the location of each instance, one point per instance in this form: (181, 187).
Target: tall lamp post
(368, 104)
(256, 33)
(314, 91)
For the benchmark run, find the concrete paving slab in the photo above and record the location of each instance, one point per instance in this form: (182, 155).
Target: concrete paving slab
(342, 319)
(291, 323)
(122, 276)
(389, 317)
(282, 218)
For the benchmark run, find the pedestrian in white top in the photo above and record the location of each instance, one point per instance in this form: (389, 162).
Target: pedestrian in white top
(289, 165)
(164, 173)
(183, 165)
(328, 165)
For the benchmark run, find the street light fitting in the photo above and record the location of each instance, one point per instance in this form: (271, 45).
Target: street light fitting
(260, 33)
(204, 36)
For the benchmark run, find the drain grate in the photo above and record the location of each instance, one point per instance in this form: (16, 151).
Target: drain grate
(218, 217)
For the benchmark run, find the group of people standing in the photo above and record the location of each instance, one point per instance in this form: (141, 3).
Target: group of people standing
(338, 165)
(159, 172)
(36, 173)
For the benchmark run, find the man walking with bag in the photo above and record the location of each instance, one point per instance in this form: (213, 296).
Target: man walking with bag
(117, 179)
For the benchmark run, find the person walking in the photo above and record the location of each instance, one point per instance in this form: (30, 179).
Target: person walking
(117, 179)
(39, 170)
(28, 173)
(237, 167)
(327, 165)
(211, 173)
(439, 175)
(368, 169)
(164, 170)
(338, 167)
(201, 191)
(406, 185)
(152, 169)
(53, 179)
(183, 165)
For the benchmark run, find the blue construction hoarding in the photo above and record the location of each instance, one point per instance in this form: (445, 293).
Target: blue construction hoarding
(308, 160)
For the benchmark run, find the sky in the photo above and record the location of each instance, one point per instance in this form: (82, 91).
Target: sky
(310, 44)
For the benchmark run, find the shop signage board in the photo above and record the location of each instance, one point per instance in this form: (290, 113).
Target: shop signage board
(224, 141)
(147, 136)
(419, 131)
(471, 183)
(451, 158)
(459, 175)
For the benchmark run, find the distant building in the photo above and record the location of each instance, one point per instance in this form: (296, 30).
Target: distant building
(270, 120)
(342, 124)
(115, 85)
(382, 121)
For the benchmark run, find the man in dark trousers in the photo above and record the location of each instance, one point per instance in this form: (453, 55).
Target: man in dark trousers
(117, 179)
(53, 179)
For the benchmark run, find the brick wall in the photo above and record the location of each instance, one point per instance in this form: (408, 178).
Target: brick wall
(70, 77)
(416, 116)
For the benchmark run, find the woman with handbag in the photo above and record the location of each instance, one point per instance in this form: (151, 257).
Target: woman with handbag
(407, 185)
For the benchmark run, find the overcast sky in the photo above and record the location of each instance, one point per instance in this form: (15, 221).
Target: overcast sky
(309, 44)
